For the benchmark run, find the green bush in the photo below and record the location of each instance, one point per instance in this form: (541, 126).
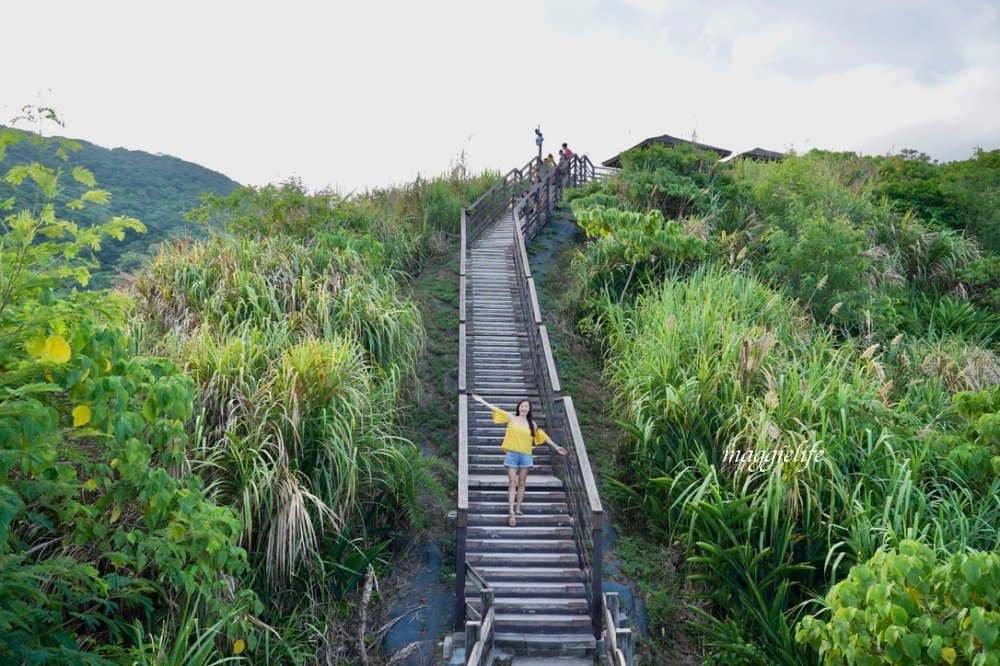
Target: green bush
(716, 361)
(910, 606)
(102, 526)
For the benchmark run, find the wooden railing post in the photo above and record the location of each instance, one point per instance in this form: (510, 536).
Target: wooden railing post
(460, 527)
(486, 599)
(471, 636)
(596, 579)
(462, 517)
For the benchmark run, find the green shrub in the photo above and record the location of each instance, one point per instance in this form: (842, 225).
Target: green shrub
(102, 525)
(910, 606)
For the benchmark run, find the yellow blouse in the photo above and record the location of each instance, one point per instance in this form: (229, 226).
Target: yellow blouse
(518, 437)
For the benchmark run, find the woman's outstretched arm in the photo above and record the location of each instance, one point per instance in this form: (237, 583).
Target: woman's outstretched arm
(548, 440)
(480, 400)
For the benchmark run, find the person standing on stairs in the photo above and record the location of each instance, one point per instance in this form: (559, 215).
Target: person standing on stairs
(521, 437)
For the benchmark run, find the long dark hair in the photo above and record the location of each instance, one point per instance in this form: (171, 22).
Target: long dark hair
(531, 421)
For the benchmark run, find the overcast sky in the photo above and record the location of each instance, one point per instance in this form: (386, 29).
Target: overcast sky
(362, 94)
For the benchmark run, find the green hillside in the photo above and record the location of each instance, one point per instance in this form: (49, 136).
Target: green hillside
(210, 470)
(749, 312)
(156, 189)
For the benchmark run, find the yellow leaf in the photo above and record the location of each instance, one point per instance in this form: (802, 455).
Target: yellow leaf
(54, 350)
(85, 375)
(116, 513)
(948, 654)
(914, 594)
(91, 484)
(114, 463)
(239, 646)
(48, 376)
(81, 415)
(107, 365)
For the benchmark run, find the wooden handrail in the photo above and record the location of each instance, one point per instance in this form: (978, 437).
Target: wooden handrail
(462, 514)
(513, 191)
(536, 312)
(550, 361)
(619, 642)
(462, 351)
(521, 252)
(498, 198)
(465, 243)
(593, 498)
(479, 635)
(463, 448)
(462, 302)
(581, 487)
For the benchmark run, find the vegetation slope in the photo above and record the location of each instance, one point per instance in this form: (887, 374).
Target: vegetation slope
(207, 463)
(751, 312)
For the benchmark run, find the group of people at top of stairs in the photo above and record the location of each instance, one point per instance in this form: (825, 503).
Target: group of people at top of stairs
(541, 200)
(548, 162)
(520, 440)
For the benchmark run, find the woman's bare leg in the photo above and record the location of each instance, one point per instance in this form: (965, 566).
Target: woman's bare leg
(522, 477)
(511, 489)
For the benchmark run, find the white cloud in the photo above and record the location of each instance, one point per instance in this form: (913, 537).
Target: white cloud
(364, 94)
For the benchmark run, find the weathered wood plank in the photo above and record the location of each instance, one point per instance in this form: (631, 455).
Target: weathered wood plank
(550, 362)
(463, 454)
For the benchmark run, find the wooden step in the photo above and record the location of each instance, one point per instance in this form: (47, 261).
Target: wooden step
(522, 546)
(525, 531)
(536, 468)
(523, 575)
(529, 519)
(531, 507)
(522, 588)
(500, 481)
(543, 621)
(535, 605)
(530, 495)
(527, 559)
(552, 661)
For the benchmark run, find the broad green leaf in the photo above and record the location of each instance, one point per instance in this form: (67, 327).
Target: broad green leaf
(986, 631)
(972, 570)
(911, 646)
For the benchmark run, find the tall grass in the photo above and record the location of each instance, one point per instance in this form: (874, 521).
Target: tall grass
(292, 325)
(719, 361)
(299, 353)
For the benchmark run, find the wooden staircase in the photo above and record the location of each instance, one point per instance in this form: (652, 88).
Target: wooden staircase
(534, 568)
(533, 592)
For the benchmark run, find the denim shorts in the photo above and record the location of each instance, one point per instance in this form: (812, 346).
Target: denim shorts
(517, 460)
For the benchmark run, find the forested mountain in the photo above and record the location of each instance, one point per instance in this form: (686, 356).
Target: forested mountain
(156, 189)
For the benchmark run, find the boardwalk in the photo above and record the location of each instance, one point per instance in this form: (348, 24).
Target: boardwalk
(534, 589)
(533, 568)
